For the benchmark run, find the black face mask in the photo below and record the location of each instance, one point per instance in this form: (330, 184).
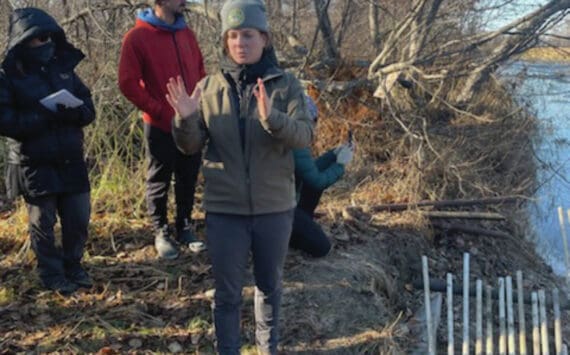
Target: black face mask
(40, 54)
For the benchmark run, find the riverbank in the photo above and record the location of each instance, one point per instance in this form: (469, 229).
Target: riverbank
(360, 299)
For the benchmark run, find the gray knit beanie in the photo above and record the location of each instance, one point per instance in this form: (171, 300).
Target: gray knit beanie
(244, 14)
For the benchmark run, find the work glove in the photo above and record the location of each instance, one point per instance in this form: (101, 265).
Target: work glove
(68, 115)
(344, 154)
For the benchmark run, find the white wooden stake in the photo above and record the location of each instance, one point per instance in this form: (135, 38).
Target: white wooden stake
(450, 340)
(479, 318)
(465, 304)
(427, 300)
(489, 317)
(564, 242)
(522, 325)
(502, 330)
(535, 325)
(557, 321)
(510, 317)
(543, 323)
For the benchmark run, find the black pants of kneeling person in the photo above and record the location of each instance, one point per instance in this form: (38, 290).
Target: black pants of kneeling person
(307, 235)
(73, 211)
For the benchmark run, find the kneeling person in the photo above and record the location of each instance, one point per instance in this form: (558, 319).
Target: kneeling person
(312, 177)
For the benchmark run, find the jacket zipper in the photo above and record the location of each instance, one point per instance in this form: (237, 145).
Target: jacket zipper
(47, 76)
(244, 107)
(247, 154)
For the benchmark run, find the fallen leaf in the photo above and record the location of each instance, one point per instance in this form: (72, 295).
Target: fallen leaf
(175, 347)
(135, 343)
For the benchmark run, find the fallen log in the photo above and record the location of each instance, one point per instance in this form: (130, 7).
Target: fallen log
(443, 203)
(465, 215)
(470, 229)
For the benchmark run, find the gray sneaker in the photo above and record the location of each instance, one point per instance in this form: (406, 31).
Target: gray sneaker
(164, 245)
(185, 237)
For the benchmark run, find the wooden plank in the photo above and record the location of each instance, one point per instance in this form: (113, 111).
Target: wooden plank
(489, 348)
(444, 203)
(510, 318)
(459, 227)
(522, 325)
(427, 300)
(479, 318)
(465, 215)
(502, 326)
(535, 325)
(543, 323)
(450, 327)
(465, 348)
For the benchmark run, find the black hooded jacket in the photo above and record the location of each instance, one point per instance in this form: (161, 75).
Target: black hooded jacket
(45, 152)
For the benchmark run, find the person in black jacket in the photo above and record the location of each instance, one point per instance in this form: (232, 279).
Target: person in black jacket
(45, 162)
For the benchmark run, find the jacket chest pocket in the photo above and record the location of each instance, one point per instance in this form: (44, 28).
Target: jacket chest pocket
(279, 100)
(64, 81)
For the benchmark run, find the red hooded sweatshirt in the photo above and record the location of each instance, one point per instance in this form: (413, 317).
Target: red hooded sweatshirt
(150, 56)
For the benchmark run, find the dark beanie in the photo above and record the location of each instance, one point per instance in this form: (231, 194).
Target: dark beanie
(243, 14)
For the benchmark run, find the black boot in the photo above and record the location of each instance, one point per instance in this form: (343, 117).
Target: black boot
(60, 284)
(76, 274)
(185, 237)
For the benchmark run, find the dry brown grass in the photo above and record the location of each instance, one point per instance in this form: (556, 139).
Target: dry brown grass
(549, 54)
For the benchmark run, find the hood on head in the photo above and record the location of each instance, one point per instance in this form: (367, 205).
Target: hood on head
(26, 23)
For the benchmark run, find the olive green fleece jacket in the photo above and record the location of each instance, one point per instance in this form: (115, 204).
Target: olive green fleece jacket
(257, 178)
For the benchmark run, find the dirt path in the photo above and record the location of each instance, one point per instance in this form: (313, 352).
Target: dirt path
(357, 300)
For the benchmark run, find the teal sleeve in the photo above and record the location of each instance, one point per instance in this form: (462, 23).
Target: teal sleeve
(307, 170)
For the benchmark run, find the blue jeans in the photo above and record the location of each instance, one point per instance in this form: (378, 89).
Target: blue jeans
(231, 238)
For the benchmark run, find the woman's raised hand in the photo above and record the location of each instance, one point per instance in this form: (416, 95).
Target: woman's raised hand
(263, 102)
(179, 99)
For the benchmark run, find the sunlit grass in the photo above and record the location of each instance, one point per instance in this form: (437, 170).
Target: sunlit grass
(550, 54)
(7, 295)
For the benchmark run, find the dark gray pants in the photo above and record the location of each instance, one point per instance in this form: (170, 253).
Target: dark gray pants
(73, 211)
(164, 160)
(230, 240)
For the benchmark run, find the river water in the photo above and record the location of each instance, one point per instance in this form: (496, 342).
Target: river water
(546, 90)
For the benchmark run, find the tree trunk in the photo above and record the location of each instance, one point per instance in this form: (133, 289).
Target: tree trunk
(373, 25)
(346, 19)
(528, 30)
(294, 26)
(331, 51)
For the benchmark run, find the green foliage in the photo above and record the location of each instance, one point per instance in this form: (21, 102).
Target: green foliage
(198, 324)
(7, 296)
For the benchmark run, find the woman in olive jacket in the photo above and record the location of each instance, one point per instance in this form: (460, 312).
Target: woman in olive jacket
(249, 116)
(45, 148)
